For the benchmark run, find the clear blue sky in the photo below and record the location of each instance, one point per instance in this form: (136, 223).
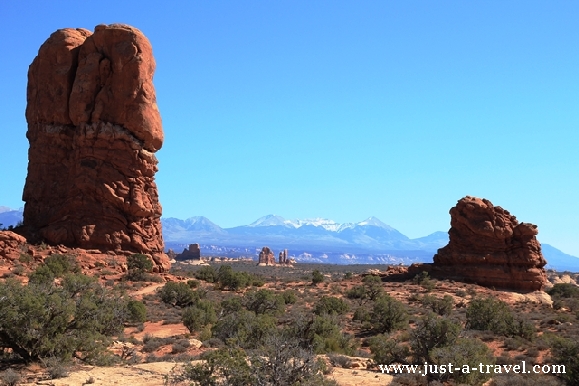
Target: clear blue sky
(341, 109)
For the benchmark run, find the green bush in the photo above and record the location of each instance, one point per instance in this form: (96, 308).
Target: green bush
(289, 296)
(495, 315)
(137, 311)
(244, 329)
(224, 366)
(206, 273)
(178, 294)
(564, 290)
(387, 350)
(43, 320)
(373, 287)
(201, 314)
(231, 305)
(233, 281)
(138, 266)
(440, 306)
(54, 266)
(264, 301)
(280, 362)
(331, 305)
(388, 314)
(469, 354)
(317, 277)
(356, 292)
(432, 332)
(566, 352)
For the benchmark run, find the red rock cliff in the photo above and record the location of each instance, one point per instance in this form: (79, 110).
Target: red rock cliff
(93, 128)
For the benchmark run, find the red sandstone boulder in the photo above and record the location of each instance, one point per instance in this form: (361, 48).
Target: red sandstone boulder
(93, 128)
(11, 245)
(488, 246)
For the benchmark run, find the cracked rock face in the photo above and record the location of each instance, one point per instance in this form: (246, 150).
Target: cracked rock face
(93, 128)
(487, 245)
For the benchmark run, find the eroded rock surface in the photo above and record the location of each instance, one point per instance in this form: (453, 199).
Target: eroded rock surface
(93, 128)
(488, 246)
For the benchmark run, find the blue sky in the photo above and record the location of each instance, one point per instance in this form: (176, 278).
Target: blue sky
(341, 109)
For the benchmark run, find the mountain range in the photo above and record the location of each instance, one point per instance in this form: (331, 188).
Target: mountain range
(311, 240)
(321, 240)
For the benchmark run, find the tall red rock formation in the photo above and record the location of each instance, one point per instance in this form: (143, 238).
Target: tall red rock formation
(488, 246)
(93, 128)
(266, 256)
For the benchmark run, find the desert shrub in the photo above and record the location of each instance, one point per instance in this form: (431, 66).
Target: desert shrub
(564, 290)
(138, 266)
(280, 362)
(206, 273)
(231, 305)
(61, 264)
(47, 320)
(244, 329)
(137, 311)
(180, 346)
(264, 301)
(331, 305)
(54, 266)
(192, 283)
(348, 275)
(56, 368)
(356, 292)
(178, 294)
(388, 314)
(283, 361)
(339, 360)
(468, 353)
(326, 336)
(566, 352)
(440, 306)
(373, 287)
(362, 314)
(322, 333)
(423, 279)
(25, 258)
(317, 277)
(10, 377)
(386, 350)
(496, 316)
(201, 314)
(432, 332)
(231, 280)
(289, 296)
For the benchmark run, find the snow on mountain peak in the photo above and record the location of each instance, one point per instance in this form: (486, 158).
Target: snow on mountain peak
(375, 222)
(269, 220)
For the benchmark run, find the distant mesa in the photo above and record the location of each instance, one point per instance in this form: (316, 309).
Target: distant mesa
(488, 246)
(93, 128)
(193, 253)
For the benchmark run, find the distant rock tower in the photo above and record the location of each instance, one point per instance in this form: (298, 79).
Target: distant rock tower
(93, 128)
(266, 257)
(283, 257)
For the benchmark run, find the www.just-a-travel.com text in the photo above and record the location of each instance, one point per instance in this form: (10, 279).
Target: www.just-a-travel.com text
(450, 368)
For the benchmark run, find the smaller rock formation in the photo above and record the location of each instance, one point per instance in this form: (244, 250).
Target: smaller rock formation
(266, 257)
(193, 253)
(283, 259)
(10, 245)
(488, 246)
